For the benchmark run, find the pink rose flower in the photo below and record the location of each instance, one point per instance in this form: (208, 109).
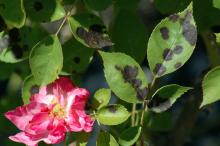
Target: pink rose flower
(56, 109)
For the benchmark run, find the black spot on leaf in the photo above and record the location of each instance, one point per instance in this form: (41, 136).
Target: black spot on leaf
(173, 17)
(38, 6)
(164, 33)
(142, 93)
(159, 69)
(167, 54)
(178, 49)
(93, 39)
(178, 65)
(118, 68)
(189, 30)
(136, 83)
(130, 72)
(14, 35)
(112, 109)
(34, 89)
(76, 60)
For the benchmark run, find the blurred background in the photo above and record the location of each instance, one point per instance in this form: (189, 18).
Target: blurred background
(184, 124)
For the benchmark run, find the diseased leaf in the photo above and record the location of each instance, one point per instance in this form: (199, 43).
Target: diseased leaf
(44, 10)
(102, 96)
(112, 115)
(165, 97)
(98, 5)
(125, 77)
(106, 139)
(46, 60)
(76, 56)
(210, 86)
(29, 88)
(129, 34)
(89, 30)
(129, 136)
(172, 43)
(13, 12)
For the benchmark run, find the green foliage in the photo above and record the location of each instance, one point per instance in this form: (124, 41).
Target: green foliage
(106, 139)
(102, 96)
(46, 60)
(126, 39)
(172, 43)
(125, 77)
(166, 96)
(210, 86)
(129, 136)
(216, 3)
(98, 5)
(76, 56)
(13, 12)
(29, 87)
(44, 10)
(112, 115)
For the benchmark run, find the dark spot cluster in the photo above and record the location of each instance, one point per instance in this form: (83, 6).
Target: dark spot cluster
(34, 89)
(178, 49)
(159, 69)
(164, 33)
(112, 108)
(178, 65)
(167, 54)
(98, 28)
(38, 6)
(130, 76)
(76, 60)
(174, 17)
(93, 38)
(189, 30)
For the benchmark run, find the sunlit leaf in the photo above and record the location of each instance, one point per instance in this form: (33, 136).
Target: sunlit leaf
(112, 115)
(125, 77)
(46, 60)
(102, 96)
(166, 96)
(13, 12)
(172, 43)
(210, 86)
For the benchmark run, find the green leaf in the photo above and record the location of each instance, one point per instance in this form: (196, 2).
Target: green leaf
(129, 136)
(172, 43)
(98, 5)
(76, 56)
(44, 10)
(13, 12)
(102, 96)
(125, 77)
(112, 115)
(171, 6)
(89, 30)
(125, 4)
(160, 122)
(46, 60)
(106, 139)
(29, 87)
(166, 96)
(210, 86)
(216, 3)
(126, 39)
(6, 70)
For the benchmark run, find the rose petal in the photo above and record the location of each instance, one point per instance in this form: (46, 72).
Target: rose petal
(23, 114)
(23, 138)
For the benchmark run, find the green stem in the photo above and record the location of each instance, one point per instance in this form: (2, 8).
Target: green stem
(133, 115)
